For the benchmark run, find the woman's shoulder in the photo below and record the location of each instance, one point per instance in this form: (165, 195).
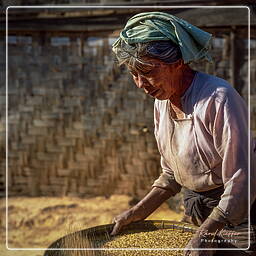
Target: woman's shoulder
(209, 85)
(215, 94)
(210, 88)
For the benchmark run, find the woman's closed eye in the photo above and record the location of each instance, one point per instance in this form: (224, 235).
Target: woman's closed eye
(147, 72)
(144, 73)
(133, 73)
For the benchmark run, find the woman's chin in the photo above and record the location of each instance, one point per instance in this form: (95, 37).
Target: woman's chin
(158, 94)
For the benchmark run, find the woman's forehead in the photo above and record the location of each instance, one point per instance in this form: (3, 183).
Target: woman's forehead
(141, 67)
(147, 63)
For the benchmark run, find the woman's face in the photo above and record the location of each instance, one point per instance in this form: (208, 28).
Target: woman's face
(158, 79)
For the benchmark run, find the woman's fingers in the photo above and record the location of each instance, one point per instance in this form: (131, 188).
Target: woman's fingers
(121, 220)
(186, 253)
(117, 228)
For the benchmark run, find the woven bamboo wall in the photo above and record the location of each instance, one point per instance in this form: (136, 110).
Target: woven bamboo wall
(77, 124)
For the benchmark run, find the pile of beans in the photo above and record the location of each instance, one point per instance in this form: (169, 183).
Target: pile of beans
(162, 238)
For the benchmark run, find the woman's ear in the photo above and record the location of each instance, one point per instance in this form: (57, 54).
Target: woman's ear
(178, 64)
(181, 63)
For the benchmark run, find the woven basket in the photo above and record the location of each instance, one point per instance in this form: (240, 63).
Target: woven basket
(94, 237)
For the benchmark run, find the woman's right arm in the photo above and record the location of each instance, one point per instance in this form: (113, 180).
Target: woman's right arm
(163, 188)
(142, 209)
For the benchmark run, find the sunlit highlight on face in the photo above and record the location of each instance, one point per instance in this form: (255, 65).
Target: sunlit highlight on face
(158, 79)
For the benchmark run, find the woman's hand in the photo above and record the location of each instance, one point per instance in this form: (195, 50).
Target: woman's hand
(124, 219)
(143, 209)
(204, 238)
(202, 242)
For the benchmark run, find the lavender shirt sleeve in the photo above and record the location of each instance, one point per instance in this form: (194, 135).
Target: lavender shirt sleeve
(227, 115)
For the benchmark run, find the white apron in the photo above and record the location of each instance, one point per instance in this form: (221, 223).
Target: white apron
(180, 147)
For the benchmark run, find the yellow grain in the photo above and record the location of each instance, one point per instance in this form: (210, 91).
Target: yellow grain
(162, 238)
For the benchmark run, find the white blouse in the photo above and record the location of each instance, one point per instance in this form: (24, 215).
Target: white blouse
(215, 142)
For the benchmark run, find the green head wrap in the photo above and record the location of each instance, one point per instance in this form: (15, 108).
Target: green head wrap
(155, 26)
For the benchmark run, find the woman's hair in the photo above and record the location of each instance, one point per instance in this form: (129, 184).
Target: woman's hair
(131, 55)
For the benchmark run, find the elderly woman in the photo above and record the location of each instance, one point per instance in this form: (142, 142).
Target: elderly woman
(201, 129)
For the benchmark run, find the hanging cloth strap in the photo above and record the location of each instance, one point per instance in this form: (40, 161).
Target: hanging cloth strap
(199, 205)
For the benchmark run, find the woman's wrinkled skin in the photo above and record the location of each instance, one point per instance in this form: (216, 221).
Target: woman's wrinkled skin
(164, 81)
(168, 78)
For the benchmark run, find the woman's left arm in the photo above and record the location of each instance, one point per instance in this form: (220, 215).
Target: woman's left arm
(229, 126)
(231, 139)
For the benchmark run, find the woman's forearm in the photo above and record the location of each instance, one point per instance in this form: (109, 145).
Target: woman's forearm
(151, 202)
(142, 209)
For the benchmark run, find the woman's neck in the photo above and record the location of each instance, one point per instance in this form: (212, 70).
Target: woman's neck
(186, 77)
